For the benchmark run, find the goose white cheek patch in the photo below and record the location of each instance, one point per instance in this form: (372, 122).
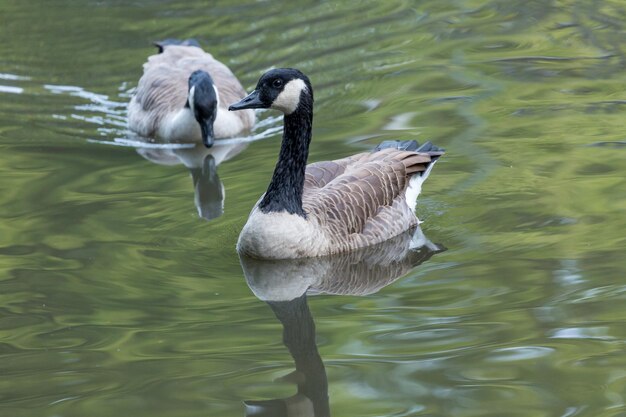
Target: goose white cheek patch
(289, 99)
(191, 98)
(217, 95)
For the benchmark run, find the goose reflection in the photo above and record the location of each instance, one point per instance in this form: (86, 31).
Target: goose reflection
(202, 164)
(285, 284)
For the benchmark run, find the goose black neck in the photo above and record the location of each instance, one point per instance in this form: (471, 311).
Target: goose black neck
(285, 190)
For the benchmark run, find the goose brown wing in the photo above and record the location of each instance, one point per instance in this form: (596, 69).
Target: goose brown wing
(319, 174)
(369, 183)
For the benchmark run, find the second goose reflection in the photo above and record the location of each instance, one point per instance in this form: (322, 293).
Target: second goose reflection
(202, 164)
(284, 286)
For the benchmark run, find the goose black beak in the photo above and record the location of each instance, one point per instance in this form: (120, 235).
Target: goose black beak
(251, 101)
(206, 126)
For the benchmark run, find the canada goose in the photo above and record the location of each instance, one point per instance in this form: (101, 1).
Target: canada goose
(332, 206)
(183, 94)
(285, 285)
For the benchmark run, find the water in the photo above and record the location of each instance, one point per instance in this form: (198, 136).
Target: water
(118, 297)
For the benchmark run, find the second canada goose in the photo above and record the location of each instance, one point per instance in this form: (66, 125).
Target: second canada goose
(332, 206)
(183, 96)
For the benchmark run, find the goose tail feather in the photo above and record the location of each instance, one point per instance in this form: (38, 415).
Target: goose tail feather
(432, 150)
(170, 41)
(411, 145)
(419, 166)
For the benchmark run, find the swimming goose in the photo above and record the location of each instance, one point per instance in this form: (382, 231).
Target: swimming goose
(332, 206)
(183, 94)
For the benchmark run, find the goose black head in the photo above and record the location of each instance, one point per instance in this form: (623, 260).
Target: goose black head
(203, 101)
(283, 89)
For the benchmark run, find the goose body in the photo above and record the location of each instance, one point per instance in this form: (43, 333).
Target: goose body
(183, 96)
(333, 206)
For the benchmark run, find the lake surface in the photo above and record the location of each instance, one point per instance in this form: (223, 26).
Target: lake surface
(118, 297)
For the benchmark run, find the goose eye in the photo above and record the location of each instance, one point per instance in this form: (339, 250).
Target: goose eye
(277, 83)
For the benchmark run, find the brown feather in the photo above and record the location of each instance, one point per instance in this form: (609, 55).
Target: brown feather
(360, 200)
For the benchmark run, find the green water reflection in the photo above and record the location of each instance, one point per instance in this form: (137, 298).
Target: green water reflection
(118, 298)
